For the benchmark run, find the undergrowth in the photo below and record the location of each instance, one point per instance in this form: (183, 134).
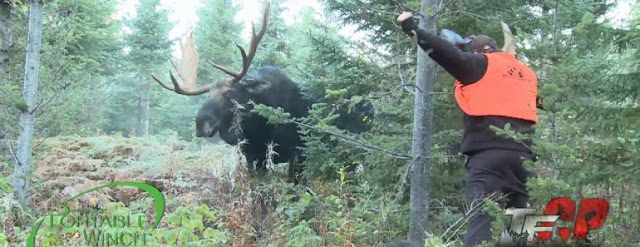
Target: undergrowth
(210, 199)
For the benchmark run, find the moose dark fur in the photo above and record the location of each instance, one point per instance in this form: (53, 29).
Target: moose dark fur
(227, 110)
(271, 87)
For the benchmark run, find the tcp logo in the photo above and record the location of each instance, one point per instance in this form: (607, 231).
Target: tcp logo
(591, 214)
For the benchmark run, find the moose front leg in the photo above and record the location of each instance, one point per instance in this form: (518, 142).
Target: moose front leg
(256, 167)
(295, 169)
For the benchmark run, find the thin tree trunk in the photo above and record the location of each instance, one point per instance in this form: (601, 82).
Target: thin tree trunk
(554, 140)
(145, 116)
(4, 145)
(5, 38)
(621, 198)
(422, 134)
(5, 44)
(29, 94)
(554, 123)
(143, 111)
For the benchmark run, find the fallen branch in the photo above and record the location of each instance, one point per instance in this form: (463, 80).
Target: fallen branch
(470, 213)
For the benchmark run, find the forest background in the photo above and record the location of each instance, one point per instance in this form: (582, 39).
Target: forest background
(100, 117)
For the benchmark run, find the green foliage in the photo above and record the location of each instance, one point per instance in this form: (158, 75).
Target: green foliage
(332, 75)
(184, 227)
(342, 213)
(95, 73)
(585, 71)
(198, 227)
(11, 214)
(274, 116)
(377, 16)
(299, 231)
(216, 35)
(150, 48)
(276, 46)
(79, 40)
(148, 40)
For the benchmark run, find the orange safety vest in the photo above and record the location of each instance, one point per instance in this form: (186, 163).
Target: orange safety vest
(508, 89)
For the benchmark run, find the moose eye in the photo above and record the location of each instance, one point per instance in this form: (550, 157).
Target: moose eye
(228, 94)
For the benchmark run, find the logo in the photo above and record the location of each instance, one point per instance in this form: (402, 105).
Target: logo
(99, 228)
(515, 73)
(591, 215)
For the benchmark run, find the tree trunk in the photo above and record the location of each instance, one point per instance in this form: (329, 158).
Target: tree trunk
(4, 144)
(554, 123)
(29, 94)
(5, 38)
(143, 110)
(5, 44)
(422, 133)
(554, 140)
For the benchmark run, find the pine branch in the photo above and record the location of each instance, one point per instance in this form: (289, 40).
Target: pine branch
(357, 143)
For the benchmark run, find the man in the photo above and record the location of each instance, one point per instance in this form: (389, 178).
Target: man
(492, 88)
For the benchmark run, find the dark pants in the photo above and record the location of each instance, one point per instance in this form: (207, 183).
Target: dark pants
(494, 171)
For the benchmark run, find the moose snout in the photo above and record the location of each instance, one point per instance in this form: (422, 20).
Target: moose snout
(207, 129)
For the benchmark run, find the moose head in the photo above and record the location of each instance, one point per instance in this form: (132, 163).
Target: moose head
(216, 114)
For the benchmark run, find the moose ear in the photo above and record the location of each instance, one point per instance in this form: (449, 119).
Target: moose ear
(254, 85)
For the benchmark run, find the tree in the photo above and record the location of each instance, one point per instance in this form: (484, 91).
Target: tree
(68, 56)
(82, 51)
(5, 43)
(215, 36)
(150, 48)
(337, 80)
(81, 48)
(422, 133)
(29, 94)
(5, 34)
(274, 49)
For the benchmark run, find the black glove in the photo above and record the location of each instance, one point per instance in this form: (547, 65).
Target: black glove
(408, 25)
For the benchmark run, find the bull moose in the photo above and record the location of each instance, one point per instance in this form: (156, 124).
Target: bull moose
(232, 96)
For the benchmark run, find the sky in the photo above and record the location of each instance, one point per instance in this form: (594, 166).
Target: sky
(621, 12)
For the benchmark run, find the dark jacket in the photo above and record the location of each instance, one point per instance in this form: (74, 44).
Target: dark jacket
(468, 68)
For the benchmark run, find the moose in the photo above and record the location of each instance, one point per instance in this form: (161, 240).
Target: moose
(233, 96)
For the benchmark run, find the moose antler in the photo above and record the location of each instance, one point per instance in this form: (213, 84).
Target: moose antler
(509, 44)
(187, 70)
(188, 67)
(246, 59)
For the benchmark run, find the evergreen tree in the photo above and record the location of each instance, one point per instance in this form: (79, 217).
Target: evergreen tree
(80, 44)
(76, 47)
(5, 43)
(216, 35)
(95, 77)
(275, 47)
(82, 50)
(589, 101)
(150, 48)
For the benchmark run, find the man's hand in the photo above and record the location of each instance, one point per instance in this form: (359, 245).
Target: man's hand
(405, 15)
(407, 23)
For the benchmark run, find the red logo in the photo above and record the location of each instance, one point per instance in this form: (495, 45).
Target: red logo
(590, 215)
